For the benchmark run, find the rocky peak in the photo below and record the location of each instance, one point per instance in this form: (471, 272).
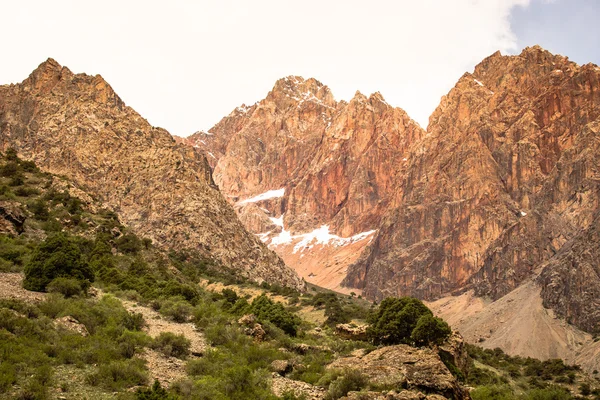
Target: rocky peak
(334, 163)
(76, 126)
(45, 76)
(502, 181)
(295, 90)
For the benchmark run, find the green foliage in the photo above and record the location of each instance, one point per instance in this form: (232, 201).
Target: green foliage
(396, 318)
(117, 375)
(128, 243)
(172, 345)
(57, 256)
(343, 382)
(156, 392)
(68, 287)
(493, 392)
(39, 208)
(430, 330)
(551, 393)
(177, 309)
(266, 310)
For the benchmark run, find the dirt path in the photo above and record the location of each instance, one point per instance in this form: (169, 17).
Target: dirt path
(11, 288)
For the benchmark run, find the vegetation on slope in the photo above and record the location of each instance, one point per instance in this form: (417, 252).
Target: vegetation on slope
(65, 244)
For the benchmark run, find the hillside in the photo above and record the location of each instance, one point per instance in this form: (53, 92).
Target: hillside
(76, 126)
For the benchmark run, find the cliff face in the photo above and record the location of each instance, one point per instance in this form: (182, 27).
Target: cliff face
(307, 172)
(76, 126)
(505, 177)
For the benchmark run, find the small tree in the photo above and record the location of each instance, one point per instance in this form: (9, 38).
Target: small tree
(56, 257)
(430, 330)
(395, 320)
(266, 310)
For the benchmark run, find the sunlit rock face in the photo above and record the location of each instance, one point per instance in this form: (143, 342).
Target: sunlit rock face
(333, 165)
(75, 125)
(504, 177)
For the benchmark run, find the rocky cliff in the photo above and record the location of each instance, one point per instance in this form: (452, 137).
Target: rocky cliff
(505, 177)
(502, 186)
(75, 125)
(309, 173)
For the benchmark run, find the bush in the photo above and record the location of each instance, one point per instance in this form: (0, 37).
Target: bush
(430, 330)
(68, 287)
(492, 393)
(266, 310)
(128, 244)
(177, 310)
(395, 320)
(117, 375)
(57, 256)
(156, 392)
(349, 380)
(131, 342)
(172, 345)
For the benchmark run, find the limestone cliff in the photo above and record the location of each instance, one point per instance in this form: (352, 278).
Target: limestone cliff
(75, 125)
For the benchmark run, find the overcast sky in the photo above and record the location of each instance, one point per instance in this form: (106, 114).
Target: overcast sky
(184, 65)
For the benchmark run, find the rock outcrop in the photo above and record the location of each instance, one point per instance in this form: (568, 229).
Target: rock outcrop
(402, 366)
(76, 126)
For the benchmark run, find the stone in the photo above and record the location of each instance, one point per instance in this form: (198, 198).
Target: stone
(419, 370)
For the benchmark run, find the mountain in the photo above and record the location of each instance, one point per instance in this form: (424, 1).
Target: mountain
(312, 176)
(498, 199)
(76, 126)
(505, 179)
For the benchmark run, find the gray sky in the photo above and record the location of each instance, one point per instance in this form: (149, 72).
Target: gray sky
(185, 64)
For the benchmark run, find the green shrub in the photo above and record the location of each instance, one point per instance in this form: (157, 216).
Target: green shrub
(39, 208)
(131, 342)
(177, 310)
(8, 376)
(172, 345)
(552, 393)
(156, 392)
(118, 375)
(57, 256)
(347, 381)
(494, 392)
(128, 244)
(68, 287)
(266, 310)
(430, 330)
(395, 319)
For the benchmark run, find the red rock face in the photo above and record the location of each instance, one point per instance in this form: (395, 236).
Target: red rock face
(76, 126)
(502, 180)
(338, 163)
(506, 175)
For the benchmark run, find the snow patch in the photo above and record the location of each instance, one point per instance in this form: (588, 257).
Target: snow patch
(321, 236)
(277, 221)
(271, 194)
(477, 82)
(211, 154)
(523, 213)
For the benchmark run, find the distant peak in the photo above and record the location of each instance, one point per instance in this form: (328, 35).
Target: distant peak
(298, 89)
(358, 95)
(48, 67)
(46, 75)
(378, 97)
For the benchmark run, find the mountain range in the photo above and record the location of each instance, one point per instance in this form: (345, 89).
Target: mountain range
(496, 202)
